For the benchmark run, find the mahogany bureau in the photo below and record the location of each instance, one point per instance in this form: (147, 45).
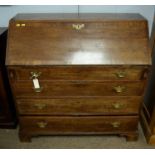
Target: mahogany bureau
(78, 74)
(7, 110)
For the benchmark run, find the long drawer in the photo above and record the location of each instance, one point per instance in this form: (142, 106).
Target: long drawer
(78, 88)
(79, 73)
(78, 125)
(80, 106)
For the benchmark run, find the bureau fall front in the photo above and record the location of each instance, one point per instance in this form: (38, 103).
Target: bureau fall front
(78, 74)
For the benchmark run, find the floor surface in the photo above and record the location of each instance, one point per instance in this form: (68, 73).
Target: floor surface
(9, 139)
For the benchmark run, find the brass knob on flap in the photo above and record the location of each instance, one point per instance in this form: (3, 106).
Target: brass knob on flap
(40, 106)
(23, 25)
(120, 74)
(115, 124)
(20, 25)
(17, 25)
(42, 124)
(119, 89)
(78, 26)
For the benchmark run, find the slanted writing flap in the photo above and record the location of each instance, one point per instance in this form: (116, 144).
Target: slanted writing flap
(78, 40)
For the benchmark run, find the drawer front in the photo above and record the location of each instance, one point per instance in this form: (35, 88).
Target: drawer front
(78, 88)
(68, 125)
(80, 73)
(79, 106)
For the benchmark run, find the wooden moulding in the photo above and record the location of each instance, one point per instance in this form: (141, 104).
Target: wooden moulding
(149, 135)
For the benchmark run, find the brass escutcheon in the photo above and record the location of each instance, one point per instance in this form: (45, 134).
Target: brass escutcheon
(78, 26)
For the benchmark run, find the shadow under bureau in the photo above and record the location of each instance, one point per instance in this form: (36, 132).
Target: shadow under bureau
(78, 74)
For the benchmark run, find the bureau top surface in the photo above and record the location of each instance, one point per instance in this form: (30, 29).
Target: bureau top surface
(76, 16)
(72, 39)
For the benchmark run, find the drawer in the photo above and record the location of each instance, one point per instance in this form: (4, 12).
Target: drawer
(80, 106)
(79, 73)
(78, 88)
(78, 125)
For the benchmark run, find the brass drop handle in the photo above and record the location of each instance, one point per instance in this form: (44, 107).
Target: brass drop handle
(120, 74)
(119, 89)
(115, 124)
(42, 124)
(117, 105)
(78, 26)
(40, 106)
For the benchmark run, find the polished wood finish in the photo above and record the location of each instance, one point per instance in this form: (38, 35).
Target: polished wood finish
(78, 125)
(78, 88)
(72, 72)
(75, 106)
(7, 111)
(50, 42)
(91, 68)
